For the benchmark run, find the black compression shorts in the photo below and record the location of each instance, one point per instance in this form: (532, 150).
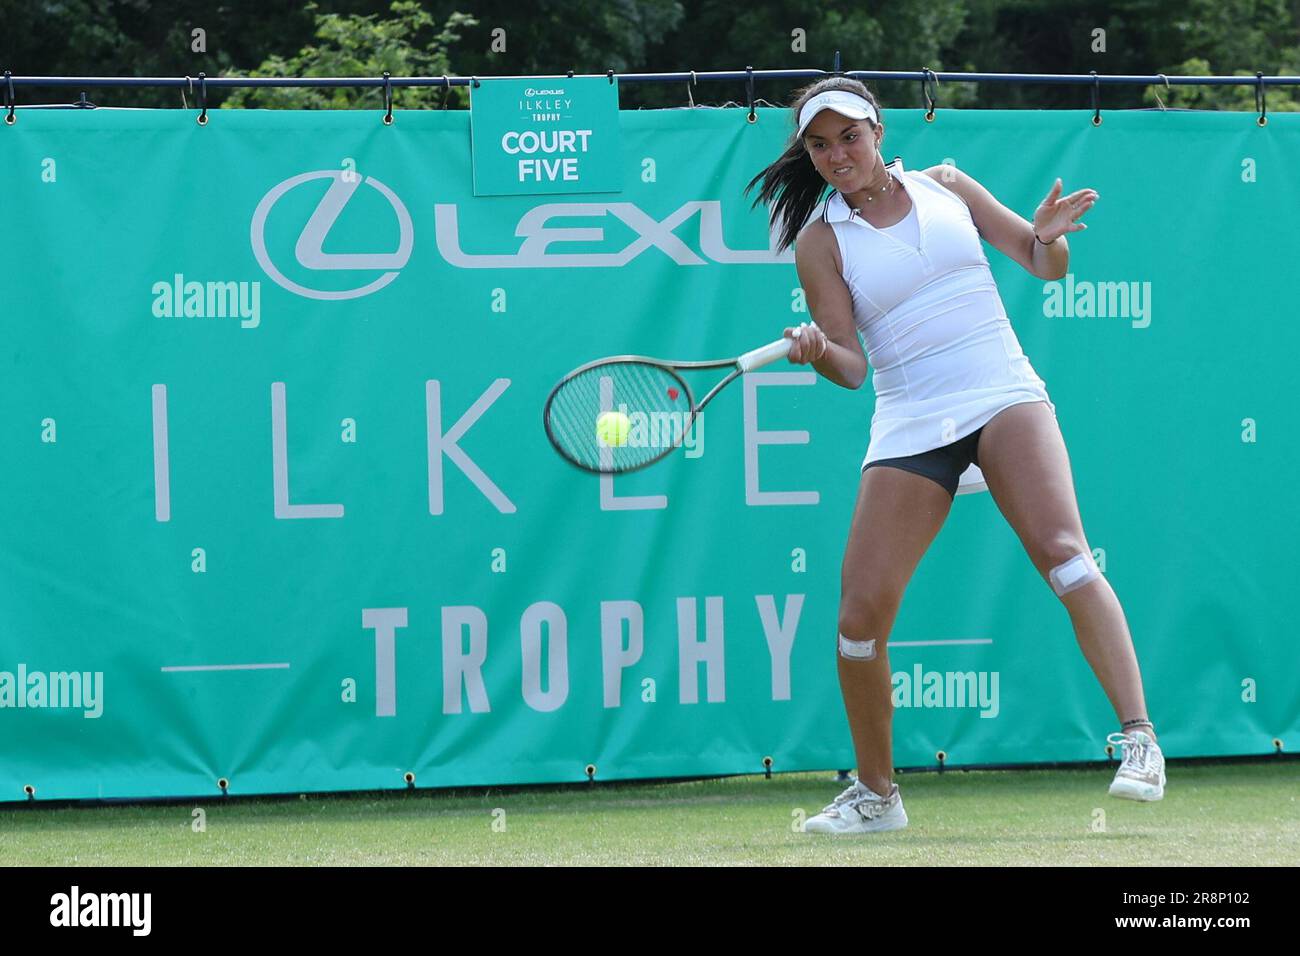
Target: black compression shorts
(943, 465)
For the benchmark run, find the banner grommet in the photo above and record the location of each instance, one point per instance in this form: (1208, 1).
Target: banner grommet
(202, 119)
(930, 91)
(10, 100)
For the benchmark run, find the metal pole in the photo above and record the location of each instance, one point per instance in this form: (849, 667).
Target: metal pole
(248, 82)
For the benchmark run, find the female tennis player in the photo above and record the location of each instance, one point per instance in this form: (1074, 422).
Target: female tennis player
(896, 256)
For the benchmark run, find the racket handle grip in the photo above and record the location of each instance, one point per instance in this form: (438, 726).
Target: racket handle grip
(765, 355)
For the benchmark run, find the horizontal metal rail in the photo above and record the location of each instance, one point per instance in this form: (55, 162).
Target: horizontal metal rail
(689, 76)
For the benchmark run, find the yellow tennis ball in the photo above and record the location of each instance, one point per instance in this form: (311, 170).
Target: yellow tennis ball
(612, 429)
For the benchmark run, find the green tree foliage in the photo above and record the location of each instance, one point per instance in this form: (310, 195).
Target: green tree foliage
(585, 36)
(665, 36)
(1222, 36)
(1118, 37)
(140, 38)
(405, 43)
(792, 34)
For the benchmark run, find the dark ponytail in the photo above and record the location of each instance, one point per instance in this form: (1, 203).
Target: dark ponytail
(792, 187)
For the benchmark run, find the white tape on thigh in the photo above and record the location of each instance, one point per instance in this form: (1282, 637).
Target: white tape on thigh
(1075, 573)
(857, 650)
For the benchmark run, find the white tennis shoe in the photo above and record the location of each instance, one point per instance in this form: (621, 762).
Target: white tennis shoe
(1141, 774)
(859, 810)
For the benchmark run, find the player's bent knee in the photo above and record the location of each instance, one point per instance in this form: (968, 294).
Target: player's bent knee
(1073, 574)
(862, 624)
(857, 650)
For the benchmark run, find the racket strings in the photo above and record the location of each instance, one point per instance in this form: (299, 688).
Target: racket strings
(647, 408)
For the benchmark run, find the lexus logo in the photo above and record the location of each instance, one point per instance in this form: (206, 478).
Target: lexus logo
(308, 250)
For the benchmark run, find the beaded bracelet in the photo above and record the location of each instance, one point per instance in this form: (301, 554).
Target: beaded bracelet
(1137, 722)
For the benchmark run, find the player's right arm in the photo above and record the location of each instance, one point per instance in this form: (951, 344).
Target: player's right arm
(831, 345)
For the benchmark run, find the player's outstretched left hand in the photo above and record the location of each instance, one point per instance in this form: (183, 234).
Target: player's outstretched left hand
(1058, 214)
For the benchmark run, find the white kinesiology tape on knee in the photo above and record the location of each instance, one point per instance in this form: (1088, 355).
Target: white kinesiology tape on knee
(1075, 573)
(857, 650)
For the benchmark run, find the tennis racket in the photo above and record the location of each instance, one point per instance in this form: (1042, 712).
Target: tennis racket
(624, 412)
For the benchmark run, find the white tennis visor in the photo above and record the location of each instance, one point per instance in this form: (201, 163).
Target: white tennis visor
(841, 101)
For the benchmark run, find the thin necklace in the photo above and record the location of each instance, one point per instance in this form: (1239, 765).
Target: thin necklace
(887, 187)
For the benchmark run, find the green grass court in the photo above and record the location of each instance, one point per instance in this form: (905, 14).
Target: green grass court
(1212, 815)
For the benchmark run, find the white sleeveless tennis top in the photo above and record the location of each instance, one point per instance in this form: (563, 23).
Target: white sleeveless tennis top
(943, 355)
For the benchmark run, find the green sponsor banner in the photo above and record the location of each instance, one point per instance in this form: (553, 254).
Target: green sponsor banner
(549, 135)
(278, 506)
